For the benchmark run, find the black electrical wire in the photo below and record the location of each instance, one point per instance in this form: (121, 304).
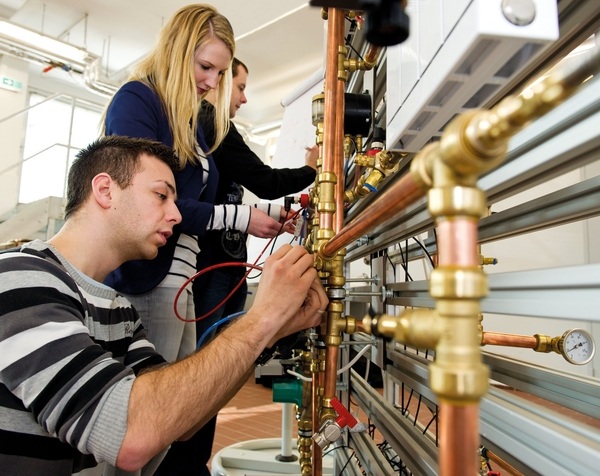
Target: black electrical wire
(277, 236)
(418, 410)
(425, 251)
(407, 276)
(392, 263)
(433, 418)
(341, 473)
(337, 448)
(259, 273)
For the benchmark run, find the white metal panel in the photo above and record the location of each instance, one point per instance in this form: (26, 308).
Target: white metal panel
(430, 31)
(481, 53)
(452, 10)
(409, 73)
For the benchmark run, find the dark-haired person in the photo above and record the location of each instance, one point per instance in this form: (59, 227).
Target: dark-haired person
(238, 167)
(79, 382)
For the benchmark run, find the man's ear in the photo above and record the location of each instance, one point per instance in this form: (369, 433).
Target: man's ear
(102, 188)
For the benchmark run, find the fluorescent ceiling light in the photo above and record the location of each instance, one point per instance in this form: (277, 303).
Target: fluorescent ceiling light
(38, 43)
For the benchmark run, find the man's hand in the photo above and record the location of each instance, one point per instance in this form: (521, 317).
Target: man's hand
(311, 311)
(263, 226)
(289, 223)
(290, 292)
(312, 154)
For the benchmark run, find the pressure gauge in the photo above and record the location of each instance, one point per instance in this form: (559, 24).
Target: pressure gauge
(577, 346)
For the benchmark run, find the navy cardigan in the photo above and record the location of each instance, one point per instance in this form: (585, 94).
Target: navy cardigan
(136, 111)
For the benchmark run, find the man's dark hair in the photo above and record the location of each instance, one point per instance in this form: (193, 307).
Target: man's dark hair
(235, 65)
(119, 157)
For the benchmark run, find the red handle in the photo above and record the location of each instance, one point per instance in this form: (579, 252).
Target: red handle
(344, 416)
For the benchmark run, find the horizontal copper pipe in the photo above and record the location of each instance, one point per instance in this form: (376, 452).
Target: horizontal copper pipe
(503, 464)
(401, 194)
(509, 340)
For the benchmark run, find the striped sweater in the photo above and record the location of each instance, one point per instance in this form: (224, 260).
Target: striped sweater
(70, 348)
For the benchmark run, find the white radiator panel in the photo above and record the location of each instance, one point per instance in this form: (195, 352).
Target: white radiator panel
(458, 55)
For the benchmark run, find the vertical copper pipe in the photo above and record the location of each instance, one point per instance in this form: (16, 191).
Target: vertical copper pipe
(335, 32)
(459, 421)
(317, 457)
(331, 362)
(338, 157)
(459, 439)
(333, 142)
(457, 242)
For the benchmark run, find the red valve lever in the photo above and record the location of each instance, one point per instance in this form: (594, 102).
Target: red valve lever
(344, 416)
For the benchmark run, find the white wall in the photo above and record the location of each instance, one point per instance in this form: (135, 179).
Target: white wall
(297, 133)
(12, 126)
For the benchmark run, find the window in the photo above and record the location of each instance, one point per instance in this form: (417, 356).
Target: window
(56, 130)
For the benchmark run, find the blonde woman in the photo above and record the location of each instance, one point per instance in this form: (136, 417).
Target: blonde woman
(161, 101)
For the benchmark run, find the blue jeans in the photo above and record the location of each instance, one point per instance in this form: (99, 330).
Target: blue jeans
(211, 291)
(190, 458)
(172, 337)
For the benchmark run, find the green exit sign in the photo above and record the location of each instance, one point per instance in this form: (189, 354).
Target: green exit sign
(10, 84)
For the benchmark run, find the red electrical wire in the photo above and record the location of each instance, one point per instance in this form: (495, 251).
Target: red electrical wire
(223, 265)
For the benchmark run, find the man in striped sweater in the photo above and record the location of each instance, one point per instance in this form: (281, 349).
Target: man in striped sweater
(79, 382)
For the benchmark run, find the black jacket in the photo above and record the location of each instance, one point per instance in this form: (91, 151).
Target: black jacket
(239, 167)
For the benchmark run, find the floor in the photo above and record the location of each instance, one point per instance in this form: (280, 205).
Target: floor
(251, 414)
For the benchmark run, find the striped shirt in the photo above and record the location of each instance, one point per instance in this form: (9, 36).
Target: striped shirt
(183, 265)
(70, 348)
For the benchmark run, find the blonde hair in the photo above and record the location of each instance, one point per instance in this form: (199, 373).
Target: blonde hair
(169, 70)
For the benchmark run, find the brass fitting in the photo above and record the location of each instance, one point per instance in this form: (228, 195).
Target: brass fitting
(373, 180)
(319, 133)
(421, 167)
(327, 181)
(342, 52)
(366, 64)
(388, 159)
(327, 411)
(488, 261)
(458, 374)
(385, 161)
(544, 343)
(417, 327)
(363, 160)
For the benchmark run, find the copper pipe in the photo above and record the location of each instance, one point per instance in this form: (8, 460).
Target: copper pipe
(458, 375)
(338, 157)
(393, 200)
(503, 464)
(459, 439)
(317, 458)
(331, 362)
(457, 242)
(371, 56)
(509, 340)
(333, 110)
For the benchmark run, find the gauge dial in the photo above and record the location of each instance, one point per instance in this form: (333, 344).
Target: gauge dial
(577, 346)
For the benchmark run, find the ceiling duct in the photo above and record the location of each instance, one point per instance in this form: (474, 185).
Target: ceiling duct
(52, 53)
